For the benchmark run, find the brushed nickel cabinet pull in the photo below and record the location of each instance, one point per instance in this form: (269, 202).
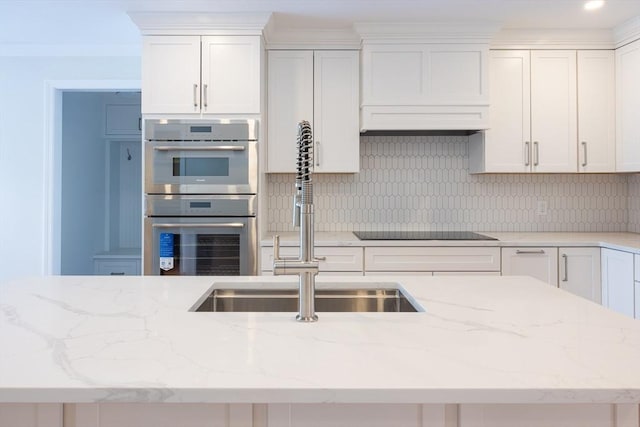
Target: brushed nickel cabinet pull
(205, 90)
(527, 153)
(536, 153)
(584, 148)
(195, 95)
(317, 153)
(565, 260)
(521, 252)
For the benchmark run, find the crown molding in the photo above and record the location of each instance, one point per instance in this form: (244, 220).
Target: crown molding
(552, 39)
(70, 50)
(311, 39)
(443, 32)
(200, 23)
(627, 32)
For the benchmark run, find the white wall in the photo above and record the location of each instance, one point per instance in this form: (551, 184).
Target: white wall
(23, 155)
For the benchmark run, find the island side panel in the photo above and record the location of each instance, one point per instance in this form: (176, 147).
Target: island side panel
(31, 414)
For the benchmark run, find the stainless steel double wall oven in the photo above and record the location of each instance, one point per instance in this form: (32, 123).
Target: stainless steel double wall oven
(201, 181)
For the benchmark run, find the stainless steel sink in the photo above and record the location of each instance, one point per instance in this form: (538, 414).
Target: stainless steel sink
(286, 300)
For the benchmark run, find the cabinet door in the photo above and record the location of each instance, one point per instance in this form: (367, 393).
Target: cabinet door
(336, 111)
(171, 74)
(231, 74)
(637, 300)
(553, 111)
(507, 145)
(122, 120)
(541, 263)
(290, 100)
(580, 272)
(596, 111)
(628, 108)
(617, 281)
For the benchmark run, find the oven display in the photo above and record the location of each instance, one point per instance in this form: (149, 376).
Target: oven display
(200, 166)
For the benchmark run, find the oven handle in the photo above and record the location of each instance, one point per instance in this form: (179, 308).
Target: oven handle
(192, 148)
(217, 225)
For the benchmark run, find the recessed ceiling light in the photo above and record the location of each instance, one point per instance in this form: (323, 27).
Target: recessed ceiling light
(593, 4)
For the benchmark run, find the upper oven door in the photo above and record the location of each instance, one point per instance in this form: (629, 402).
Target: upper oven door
(201, 167)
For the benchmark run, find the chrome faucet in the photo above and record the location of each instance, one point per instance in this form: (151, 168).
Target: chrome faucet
(306, 265)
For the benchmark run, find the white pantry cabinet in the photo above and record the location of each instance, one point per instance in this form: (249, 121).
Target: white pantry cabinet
(628, 108)
(414, 86)
(201, 74)
(541, 102)
(321, 87)
(541, 263)
(618, 281)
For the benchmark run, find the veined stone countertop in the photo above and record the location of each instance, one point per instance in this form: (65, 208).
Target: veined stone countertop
(622, 241)
(480, 340)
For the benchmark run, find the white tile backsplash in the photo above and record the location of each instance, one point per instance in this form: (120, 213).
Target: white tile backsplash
(634, 203)
(422, 183)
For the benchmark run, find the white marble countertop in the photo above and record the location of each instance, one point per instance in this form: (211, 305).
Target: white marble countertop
(621, 241)
(480, 340)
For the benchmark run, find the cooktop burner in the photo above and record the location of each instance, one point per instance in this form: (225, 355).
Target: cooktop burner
(420, 235)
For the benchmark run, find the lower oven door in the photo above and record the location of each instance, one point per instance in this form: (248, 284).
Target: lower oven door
(200, 246)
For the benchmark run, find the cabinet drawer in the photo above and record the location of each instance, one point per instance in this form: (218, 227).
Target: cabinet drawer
(331, 258)
(432, 259)
(119, 267)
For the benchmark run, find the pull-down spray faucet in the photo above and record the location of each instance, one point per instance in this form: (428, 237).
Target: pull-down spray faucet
(305, 266)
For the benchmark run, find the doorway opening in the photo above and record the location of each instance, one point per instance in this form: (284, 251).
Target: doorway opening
(100, 182)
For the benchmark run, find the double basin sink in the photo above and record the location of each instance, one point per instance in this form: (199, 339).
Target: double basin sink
(380, 300)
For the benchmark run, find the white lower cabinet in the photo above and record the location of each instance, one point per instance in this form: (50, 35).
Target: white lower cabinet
(541, 263)
(116, 267)
(31, 415)
(419, 260)
(337, 260)
(579, 272)
(618, 281)
(576, 270)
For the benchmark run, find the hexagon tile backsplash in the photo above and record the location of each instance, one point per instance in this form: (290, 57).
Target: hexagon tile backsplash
(423, 183)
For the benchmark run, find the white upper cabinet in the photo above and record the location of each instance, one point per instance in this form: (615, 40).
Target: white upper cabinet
(506, 145)
(208, 75)
(596, 111)
(323, 88)
(171, 74)
(551, 111)
(416, 86)
(628, 108)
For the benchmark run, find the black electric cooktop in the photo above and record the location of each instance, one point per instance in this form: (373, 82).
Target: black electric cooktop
(420, 235)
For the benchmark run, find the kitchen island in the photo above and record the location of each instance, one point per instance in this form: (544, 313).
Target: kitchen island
(483, 351)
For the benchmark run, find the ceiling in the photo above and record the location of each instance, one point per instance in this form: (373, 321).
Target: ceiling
(107, 22)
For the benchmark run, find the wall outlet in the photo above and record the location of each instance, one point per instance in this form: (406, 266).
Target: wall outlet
(541, 209)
